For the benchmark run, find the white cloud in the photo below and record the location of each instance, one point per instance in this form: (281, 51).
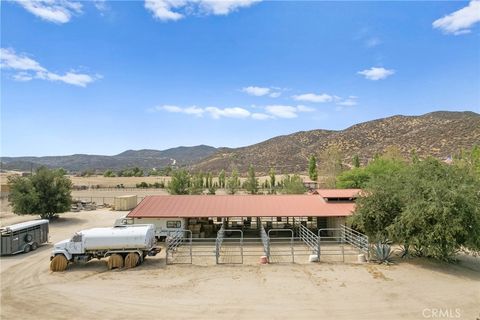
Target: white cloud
(348, 102)
(312, 97)
(101, 6)
(166, 10)
(270, 112)
(214, 112)
(460, 22)
(76, 79)
(29, 69)
(10, 60)
(236, 112)
(57, 11)
(256, 91)
(261, 116)
(376, 73)
(22, 76)
(372, 42)
(275, 94)
(162, 9)
(287, 112)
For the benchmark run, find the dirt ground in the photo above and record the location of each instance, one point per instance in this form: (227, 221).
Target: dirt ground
(407, 290)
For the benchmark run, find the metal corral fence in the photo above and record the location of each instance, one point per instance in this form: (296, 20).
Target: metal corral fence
(277, 245)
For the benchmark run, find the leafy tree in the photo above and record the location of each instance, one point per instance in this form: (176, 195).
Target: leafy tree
(233, 182)
(293, 185)
(272, 180)
(221, 179)
(312, 168)
(331, 160)
(196, 184)
(356, 161)
(142, 184)
(179, 182)
(46, 193)
(427, 204)
(354, 178)
(109, 174)
(251, 184)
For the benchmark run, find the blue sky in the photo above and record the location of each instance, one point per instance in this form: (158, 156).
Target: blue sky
(100, 77)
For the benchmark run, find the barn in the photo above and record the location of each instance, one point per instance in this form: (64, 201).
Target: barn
(204, 215)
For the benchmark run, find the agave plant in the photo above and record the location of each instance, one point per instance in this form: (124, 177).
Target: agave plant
(382, 252)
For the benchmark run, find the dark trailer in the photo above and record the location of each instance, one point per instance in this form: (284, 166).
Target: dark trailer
(23, 237)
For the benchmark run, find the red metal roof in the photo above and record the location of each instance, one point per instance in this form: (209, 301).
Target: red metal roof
(338, 193)
(239, 206)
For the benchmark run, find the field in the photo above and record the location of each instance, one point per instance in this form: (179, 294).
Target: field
(406, 290)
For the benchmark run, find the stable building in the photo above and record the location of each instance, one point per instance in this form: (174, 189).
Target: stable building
(204, 215)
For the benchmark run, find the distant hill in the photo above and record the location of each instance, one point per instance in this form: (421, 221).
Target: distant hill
(148, 159)
(439, 134)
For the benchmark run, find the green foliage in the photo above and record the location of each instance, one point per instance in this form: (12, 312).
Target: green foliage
(251, 184)
(179, 183)
(429, 205)
(354, 178)
(233, 182)
(133, 172)
(356, 161)
(109, 173)
(272, 180)
(46, 193)
(196, 184)
(380, 166)
(312, 168)
(142, 184)
(87, 173)
(382, 252)
(331, 161)
(293, 185)
(221, 179)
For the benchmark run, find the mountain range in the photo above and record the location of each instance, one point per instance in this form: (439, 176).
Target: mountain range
(439, 134)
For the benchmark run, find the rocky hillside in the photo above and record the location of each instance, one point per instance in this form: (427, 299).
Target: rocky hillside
(439, 134)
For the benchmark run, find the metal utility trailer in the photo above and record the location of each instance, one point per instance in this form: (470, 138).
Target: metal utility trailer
(23, 237)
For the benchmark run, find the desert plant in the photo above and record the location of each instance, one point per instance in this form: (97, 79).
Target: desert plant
(382, 252)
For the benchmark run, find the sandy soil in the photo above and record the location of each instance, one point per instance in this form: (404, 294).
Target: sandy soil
(408, 290)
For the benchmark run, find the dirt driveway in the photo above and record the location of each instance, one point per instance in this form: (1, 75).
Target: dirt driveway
(413, 290)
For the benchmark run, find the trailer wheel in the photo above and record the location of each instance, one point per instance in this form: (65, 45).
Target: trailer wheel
(132, 260)
(34, 246)
(58, 263)
(27, 248)
(28, 238)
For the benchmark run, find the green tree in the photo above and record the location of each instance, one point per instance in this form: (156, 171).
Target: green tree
(251, 184)
(179, 182)
(356, 161)
(293, 185)
(233, 182)
(272, 175)
(221, 179)
(312, 168)
(109, 173)
(331, 160)
(196, 184)
(428, 204)
(46, 193)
